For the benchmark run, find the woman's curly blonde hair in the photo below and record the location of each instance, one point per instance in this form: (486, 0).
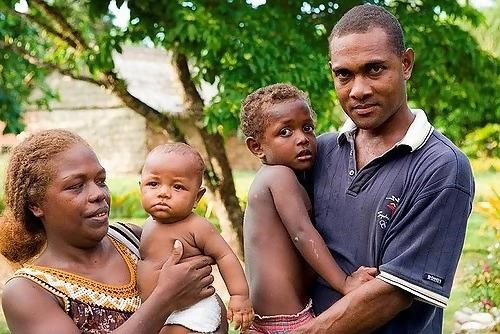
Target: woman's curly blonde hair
(29, 173)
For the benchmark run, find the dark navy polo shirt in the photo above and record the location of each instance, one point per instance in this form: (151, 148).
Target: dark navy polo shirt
(404, 213)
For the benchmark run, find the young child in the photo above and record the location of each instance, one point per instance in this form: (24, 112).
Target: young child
(277, 121)
(170, 188)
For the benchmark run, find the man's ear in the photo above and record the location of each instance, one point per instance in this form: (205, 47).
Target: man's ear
(200, 194)
(408, 62)
(36, 211)
(255, 147)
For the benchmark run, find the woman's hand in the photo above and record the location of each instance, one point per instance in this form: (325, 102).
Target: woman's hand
(183, 284)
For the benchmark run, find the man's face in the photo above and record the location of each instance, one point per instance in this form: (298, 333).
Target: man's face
(370, 77)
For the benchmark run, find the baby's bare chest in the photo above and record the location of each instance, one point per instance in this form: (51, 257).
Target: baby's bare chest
(158, 243)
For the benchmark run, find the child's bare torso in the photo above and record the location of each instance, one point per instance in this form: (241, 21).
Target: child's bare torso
(157, 242)
(277, 274)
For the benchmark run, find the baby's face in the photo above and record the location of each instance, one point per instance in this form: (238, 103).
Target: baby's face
(289, 138)
(170, 186)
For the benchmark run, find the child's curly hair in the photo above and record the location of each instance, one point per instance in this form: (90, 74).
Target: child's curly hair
(254, 117)
(29, 173)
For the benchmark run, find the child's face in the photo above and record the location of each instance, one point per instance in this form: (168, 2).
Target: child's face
(289, 138)
(170, 186)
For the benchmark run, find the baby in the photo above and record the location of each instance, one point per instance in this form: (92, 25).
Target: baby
(170, 188)
(278, 123)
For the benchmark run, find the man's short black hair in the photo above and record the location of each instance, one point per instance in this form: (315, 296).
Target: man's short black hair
(361, 18)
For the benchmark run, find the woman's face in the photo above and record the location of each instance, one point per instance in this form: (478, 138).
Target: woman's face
(76, 204)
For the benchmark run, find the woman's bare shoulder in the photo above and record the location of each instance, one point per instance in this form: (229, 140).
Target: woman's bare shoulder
(29, 308)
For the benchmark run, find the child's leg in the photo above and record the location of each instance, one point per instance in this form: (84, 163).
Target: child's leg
(175, 329)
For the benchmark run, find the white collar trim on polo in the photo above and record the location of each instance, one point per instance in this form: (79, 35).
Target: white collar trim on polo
(416, 136)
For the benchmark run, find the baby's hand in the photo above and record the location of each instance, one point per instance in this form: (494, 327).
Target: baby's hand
(240, 312)
(359, 277)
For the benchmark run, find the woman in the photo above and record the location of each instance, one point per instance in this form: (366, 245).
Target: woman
(78, 277)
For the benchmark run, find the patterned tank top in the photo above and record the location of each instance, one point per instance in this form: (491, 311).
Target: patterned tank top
(96, 308)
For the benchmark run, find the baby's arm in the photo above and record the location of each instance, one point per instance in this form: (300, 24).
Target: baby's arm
(209, 240)
(290, 206)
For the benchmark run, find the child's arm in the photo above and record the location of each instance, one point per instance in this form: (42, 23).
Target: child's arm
(209, 240)
(289, 203)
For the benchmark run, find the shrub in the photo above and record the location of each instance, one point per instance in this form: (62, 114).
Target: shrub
(490, 209)
(484, 276)
(484, 280)
(483, 142)
(127, 205)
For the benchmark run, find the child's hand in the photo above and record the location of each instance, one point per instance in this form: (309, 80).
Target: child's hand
(358, 278)
(240, 312)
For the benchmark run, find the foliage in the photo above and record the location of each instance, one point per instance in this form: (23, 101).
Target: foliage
(127, 205)
(2, 204)
(240, 47)
(490, 209)
(484, 280)
(483, 142)
(18, 77)
(484, 276)
(488, 35)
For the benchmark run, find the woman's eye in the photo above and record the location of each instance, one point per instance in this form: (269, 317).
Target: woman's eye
(76, 186)
(285, 132)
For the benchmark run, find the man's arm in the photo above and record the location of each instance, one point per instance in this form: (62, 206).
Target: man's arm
(361, 311)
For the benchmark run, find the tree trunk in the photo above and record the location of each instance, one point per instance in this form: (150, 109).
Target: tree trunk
(218, 178)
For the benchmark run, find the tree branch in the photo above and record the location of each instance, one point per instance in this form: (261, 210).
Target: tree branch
(192, 100)
(44, 26)
(118, 87)
(67, 30)
(112, 83)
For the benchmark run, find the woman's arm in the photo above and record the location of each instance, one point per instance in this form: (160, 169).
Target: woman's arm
(30, 309)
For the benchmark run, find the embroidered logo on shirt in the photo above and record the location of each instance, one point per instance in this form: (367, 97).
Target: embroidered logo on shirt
(433, 279)
(384, 216)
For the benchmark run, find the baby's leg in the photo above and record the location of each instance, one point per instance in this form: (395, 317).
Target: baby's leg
(174, 329)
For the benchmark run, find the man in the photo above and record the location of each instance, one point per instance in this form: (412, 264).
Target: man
(388, 190)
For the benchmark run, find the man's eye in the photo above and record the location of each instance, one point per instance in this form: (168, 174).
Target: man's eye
(342, 75)
(376, 69)
(285, 132)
